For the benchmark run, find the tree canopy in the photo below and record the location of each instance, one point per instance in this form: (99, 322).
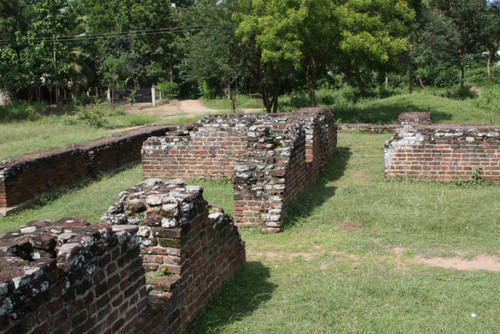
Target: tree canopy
(67, 47)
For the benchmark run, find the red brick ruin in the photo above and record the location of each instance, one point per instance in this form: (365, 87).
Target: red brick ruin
(161, 252)
(443, 152)
(151, 265)
(271, 158)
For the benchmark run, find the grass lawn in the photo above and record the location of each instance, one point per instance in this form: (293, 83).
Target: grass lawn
(335, 268)
(443, 110)
(20, 137)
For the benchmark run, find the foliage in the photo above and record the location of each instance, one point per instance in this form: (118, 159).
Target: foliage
(22, 110)
(373, 33)
(168, 89)
(94, 115)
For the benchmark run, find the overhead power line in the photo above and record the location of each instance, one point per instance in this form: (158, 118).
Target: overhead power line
(114, 35)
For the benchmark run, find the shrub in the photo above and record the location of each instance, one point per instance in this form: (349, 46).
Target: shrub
(22, 110)
(94, 115)
(168, 89)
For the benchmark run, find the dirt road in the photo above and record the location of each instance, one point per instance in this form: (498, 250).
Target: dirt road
(172, 109)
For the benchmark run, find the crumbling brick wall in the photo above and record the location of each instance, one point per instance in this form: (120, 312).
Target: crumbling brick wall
(188, 249)
(271, 157)
(25, 176)
(74, 277)
(70, 276)
(444, 152)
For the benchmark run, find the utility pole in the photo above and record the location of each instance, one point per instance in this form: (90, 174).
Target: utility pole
(55, 68)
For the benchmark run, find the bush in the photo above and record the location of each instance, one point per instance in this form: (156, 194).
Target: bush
(94, 115)
(22, 110)
(490, 98)
(168, 89)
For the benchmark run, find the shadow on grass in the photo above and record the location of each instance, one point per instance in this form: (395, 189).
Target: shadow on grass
(382, 113)
(237, 298)
(320, 192)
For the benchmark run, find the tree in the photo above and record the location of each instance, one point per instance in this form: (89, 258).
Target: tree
(430, 57)
(31, 54)
(492, 30)
(213, 56)
(469, 20)
(373, 35)
(319, 35)
(137, 34)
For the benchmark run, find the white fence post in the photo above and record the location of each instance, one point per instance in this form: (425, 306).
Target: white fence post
(153, 95)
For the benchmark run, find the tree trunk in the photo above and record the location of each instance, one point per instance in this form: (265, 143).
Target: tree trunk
(411, 79)
(265, 99)
(361, 84)
(171, 71)
(489, 66)
(275, 100)
(421, 82)
(386, 82)
(55, 68)
(462, 74)
(311, 80)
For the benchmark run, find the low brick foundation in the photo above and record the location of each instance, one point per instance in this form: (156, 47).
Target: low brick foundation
(444, 152)
(272, 158)
(26, 176)
(74, 277)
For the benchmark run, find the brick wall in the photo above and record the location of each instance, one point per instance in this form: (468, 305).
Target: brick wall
(23, 177)
(70, 276)
(272, 158)
(188, 249)
(151, 267)
(444, 152)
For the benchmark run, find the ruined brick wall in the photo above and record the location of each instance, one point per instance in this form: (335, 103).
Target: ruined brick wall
(70, 276)
(151, 267)
(208, 149)
(444, 152)
(23, 177)
(271, 157)
(188, 248)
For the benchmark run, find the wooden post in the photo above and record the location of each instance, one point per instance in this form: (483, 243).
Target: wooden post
(153, 95)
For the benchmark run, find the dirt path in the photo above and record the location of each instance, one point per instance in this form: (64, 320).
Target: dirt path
(481, 262)
(172, 109)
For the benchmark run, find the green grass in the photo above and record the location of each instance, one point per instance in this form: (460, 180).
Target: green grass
(44, 133)
(443, 110)
(31, 136)
(242, 102)
(384, 107)
(333, 269)
(89, 201)
(319, 276)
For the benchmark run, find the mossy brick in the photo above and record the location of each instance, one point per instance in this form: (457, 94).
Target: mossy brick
(173, 243)
(163, 232)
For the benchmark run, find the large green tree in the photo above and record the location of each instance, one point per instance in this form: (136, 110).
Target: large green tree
(469, 19)
(213, 55)
(31, 54)
(373, 35)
